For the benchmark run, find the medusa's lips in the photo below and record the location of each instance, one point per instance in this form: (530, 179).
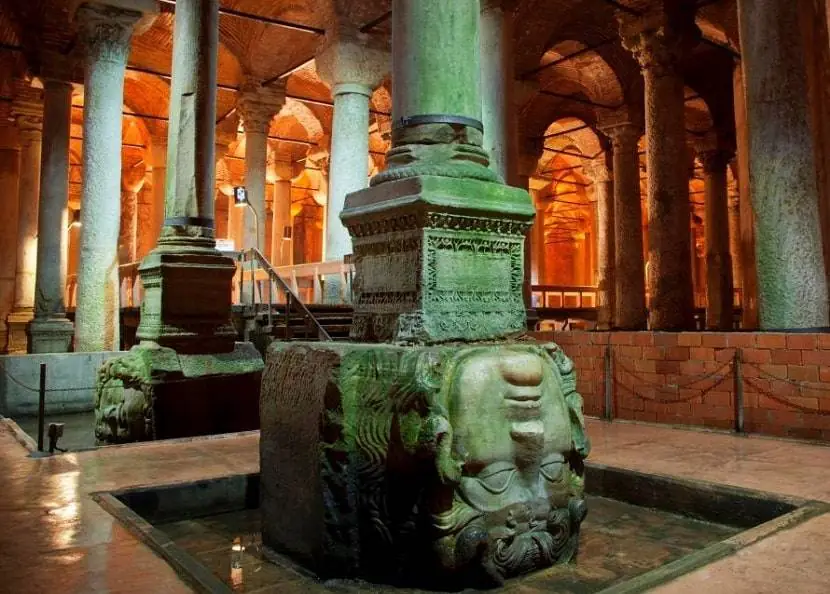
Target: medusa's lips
(524, 401)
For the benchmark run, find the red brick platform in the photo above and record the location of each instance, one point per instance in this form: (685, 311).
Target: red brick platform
(692, 378)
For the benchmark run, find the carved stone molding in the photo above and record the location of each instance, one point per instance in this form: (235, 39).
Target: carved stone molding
(352, 58)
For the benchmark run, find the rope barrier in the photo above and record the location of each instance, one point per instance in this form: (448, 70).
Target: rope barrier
(695, 380)
(31, 389)
(683, 400)
(799, 384)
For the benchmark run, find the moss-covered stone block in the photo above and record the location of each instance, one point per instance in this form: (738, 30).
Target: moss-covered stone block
(452, 465)
(154, 392)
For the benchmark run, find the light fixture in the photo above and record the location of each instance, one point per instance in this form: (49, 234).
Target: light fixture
(76, 219)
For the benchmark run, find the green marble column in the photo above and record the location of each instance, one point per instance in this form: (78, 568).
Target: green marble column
(438, 238)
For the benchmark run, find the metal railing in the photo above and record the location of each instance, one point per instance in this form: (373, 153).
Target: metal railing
(259, 272)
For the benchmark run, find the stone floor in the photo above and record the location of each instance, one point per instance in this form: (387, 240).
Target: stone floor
(54, 537)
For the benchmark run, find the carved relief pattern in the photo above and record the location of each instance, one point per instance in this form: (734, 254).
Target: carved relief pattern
(404, 505)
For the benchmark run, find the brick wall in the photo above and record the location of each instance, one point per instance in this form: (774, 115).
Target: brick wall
(689, 378)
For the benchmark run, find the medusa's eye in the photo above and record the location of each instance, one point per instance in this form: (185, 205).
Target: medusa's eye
(496, 477)
(552, 467)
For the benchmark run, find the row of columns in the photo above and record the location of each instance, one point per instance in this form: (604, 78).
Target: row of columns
(353, 68)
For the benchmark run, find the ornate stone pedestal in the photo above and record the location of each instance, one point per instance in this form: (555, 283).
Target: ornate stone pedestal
(438, 258)
(447, 466)
(156, 393)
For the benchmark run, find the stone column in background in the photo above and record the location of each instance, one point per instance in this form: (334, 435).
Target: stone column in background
(9, 178)
(657, 41)
(497, 86)
(281, 253)
(29, 119)
(159, 155)
(50, 331)
(719, 285)
(749, 279)
(629, 266)
(132, 182)
(257, 105)
(792, 280)
(735, 241)
(105, 31)
(598, 172)
(352, 68)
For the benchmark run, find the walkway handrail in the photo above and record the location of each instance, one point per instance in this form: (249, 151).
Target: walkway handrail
(254, 254)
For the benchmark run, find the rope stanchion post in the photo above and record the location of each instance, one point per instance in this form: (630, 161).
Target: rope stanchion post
(41, 407)
(737, 377)
(609, 384)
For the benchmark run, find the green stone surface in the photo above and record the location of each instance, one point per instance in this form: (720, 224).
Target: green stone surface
(128, 389)
(438, 259)
(452, 464)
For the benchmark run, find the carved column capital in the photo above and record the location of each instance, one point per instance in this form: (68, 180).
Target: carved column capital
(28, 117)
(257, 105)
(106, 27)
(656, 40)
(622, 134)
(597, 170)
(350, 61)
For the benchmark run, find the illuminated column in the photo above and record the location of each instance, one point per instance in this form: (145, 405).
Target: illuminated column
(281, 254)
(657, 43)
(719, 287)
(50, 330)
(132, 182)
(792, 279)
(749, 280)
(159, 153)
(29, 121)
(106, 31)
(257, 105)
(352, 68)
(497, 81)
(597, 171)
(735, 240)
(9, 184)
(629, 266)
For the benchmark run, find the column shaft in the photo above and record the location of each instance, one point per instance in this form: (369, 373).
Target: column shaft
(735, 242)
(256, 156)
(107, 33)
(604, 191)
(629, 267)
(50, 331)
(749, 279)
(281, 254)
(498, 114)
(127, 231)
(349, 165)
(9, 184)
(28, 193)
(670, 287)
(719, 286)
(792, 281)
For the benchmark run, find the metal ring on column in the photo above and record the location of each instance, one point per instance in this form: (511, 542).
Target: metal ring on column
(419, 120)
(189, 222)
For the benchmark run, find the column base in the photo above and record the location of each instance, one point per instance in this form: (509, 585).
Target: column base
(403, 464)
(187, 299)
(17, 322)
(154, 393)
(50, 335)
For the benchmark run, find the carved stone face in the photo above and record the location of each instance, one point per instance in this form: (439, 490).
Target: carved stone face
(518, 503)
